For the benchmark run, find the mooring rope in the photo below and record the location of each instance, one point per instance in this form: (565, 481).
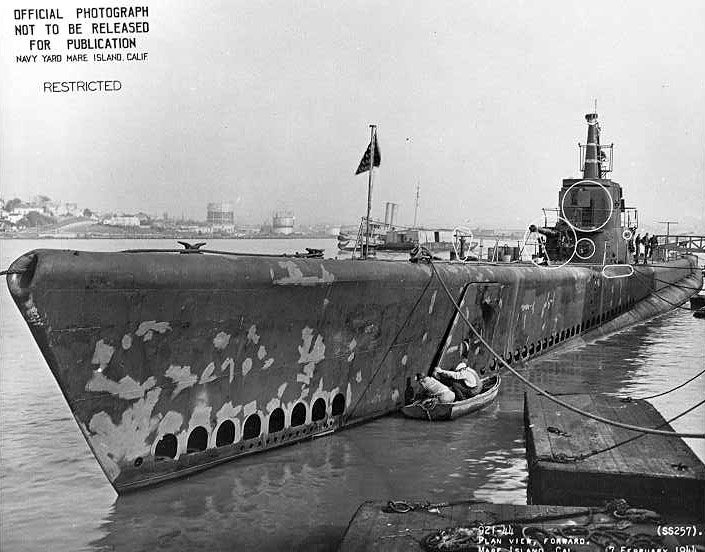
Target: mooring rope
(427, 405)
(641, 277)
(552, 398)
(404, 507)
(381, 362)
(693, 288)
(211, 251)
(674, 388)
(625, 441)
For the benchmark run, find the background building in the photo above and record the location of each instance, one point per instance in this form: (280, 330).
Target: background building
(283, 223)
(122, 220)
(221, 217)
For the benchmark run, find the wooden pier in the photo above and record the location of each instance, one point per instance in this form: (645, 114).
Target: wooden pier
(573, 460)
(682, 244)
(486, 527)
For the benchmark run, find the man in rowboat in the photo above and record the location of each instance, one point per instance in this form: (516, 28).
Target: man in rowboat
(451, 385)
(464, 381)
(432, 388)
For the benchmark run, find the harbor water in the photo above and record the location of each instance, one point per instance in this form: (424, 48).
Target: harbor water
(53, 495)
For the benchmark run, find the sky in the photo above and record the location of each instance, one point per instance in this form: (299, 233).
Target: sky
(268, 105)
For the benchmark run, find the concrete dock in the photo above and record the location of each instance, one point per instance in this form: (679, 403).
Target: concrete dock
(573, 460)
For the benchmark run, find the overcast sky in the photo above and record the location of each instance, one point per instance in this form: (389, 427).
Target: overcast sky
(267, 105)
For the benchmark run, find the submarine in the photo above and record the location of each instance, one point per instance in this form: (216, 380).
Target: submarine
(175, 361)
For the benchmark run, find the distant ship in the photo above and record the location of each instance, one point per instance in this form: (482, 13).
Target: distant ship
(384, 237)
(175, 361)
(387, 236)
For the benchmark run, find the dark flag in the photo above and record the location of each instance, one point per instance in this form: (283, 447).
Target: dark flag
(365, 163)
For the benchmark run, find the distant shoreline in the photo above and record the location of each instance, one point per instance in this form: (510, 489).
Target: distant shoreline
(17, 236)
(113, 236)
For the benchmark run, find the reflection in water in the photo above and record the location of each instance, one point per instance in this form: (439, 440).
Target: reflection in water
(508, 476)
(302, 496)
(245, 505)
(305, 495)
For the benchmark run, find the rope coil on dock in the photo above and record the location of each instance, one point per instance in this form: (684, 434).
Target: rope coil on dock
(404, 507)
(552, 398)
(605, 527)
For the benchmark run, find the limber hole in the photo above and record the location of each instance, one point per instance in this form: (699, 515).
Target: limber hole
(166, 447)
(226, 434)
(197, 441)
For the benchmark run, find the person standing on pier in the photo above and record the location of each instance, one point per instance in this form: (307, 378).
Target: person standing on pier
(653, 244)
(637, 245)
(647, 246)
(631, 249)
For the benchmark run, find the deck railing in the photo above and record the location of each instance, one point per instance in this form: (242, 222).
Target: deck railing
(670, 246)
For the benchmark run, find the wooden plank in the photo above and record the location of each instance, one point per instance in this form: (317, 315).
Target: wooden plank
(663, 452)
(605, 437)
(573, 443)
(609, 460)
(558, 419)
(645, 469)
(537, 426)
(582, 431)
(660, 455)
(635, 481)
(628, 458)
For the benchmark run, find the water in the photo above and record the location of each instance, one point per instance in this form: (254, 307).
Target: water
(53, 495)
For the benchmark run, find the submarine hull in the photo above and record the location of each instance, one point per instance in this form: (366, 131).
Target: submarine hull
(172, 363)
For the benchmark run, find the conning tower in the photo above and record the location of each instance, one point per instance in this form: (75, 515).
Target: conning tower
(594, 226)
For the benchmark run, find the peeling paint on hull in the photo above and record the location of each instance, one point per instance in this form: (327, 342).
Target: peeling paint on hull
(245, 354)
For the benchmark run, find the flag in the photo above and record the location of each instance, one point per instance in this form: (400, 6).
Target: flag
(365, 162)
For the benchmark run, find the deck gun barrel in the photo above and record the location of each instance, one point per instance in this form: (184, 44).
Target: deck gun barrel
(548, 232)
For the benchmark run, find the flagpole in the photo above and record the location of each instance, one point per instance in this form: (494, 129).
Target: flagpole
(369, 189)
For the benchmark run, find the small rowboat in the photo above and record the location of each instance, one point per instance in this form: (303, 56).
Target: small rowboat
(433, 410)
